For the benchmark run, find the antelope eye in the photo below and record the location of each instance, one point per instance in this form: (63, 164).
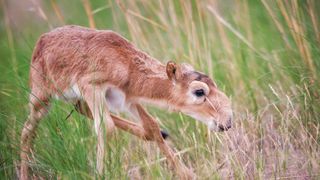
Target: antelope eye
(199, 92)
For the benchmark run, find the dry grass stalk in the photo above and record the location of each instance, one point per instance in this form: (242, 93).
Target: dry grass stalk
(225, 40)
(41, 12)
(314, 19)
(277, 23)
(292, 17)
(10, 38)
(87, 7)
(57, 11)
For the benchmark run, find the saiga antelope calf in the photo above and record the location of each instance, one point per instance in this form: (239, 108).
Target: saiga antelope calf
(100, 72)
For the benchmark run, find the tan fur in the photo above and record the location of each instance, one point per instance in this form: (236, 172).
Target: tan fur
(97, 60)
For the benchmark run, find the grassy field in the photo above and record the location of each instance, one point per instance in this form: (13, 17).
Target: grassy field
(264, 54)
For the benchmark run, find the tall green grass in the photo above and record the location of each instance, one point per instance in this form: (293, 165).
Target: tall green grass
(263, 54)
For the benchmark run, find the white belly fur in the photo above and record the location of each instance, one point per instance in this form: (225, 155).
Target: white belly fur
(115, 98)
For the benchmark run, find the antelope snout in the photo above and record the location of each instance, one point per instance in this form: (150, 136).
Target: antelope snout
(225, 127)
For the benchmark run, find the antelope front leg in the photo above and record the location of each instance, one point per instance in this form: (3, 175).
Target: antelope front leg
(126, 125)
(153, 129)
(95, 98)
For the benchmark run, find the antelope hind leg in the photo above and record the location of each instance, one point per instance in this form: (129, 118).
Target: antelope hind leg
(37, 112)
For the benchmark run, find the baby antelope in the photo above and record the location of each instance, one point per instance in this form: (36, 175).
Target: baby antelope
(101, 73)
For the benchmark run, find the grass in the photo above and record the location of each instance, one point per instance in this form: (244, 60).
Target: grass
(263, 54)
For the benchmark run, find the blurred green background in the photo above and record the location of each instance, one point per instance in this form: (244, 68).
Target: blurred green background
(263, 54)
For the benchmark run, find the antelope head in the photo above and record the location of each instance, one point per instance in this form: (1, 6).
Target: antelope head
(196, 95)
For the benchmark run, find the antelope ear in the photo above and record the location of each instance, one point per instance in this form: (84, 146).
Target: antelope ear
(171, 70)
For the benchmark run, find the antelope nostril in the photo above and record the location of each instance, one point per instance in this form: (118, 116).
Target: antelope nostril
(224, 128)
(221, 127)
